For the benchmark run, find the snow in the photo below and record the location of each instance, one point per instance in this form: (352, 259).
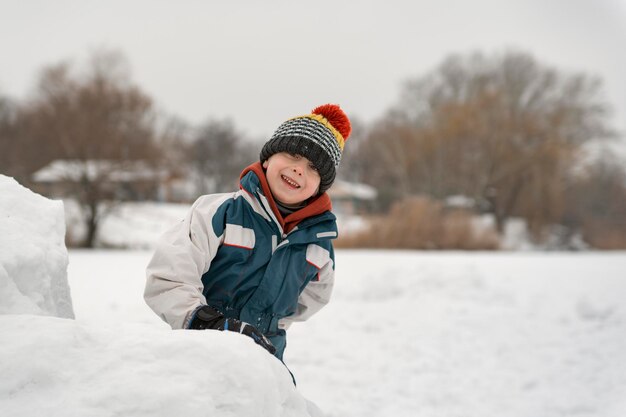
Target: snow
(74, 170)
(406, 334)
(138, 225)
(129, 225)
(426, 334)
(33, 257)
(517, 237)
(94, 367)
(455, 334)
(132, 369)
(345, 189)
(460, 201)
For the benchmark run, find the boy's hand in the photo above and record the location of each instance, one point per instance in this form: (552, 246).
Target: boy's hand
(208, 318)
(249, 330)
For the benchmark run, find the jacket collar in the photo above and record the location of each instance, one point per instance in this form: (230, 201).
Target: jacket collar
(316, 206)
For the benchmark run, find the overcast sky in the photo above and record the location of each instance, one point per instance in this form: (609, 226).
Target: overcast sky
(261, 62)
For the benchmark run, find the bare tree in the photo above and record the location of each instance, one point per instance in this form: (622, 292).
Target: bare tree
(219, 153)
(8, 137)
(502, 129)
(352, 168)
(98, 122)
(596, 203)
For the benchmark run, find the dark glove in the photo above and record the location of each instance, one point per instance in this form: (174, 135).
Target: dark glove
(209, 318)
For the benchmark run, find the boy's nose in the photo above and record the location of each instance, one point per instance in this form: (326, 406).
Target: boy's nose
(297, 170)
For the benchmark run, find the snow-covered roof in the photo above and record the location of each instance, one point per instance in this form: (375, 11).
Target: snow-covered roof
(344, 189)
(460, 201)
(118, 171)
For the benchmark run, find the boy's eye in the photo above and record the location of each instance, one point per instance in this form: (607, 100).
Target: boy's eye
(313, 167)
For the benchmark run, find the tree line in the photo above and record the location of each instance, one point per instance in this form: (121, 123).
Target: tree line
(516, 137)
(104, 126)
(510, 134)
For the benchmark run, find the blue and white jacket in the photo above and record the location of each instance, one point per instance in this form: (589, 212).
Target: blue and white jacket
(235, 252)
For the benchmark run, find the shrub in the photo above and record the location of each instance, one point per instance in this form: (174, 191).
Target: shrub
(422, 223)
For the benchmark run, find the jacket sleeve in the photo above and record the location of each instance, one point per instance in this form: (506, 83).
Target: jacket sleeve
(317, 292)
(183, 254)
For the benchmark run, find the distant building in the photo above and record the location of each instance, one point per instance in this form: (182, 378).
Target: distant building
(121, 180)
(351, 198)
(459, 202)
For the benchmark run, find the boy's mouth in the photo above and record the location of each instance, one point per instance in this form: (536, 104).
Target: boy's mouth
(290, 182)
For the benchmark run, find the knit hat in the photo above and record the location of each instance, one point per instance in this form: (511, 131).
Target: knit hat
(319, 137)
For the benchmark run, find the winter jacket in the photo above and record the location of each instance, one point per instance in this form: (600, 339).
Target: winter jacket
(236, 253)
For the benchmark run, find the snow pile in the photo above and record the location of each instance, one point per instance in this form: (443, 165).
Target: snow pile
(33, 257)
(138, 370)
(124, 367)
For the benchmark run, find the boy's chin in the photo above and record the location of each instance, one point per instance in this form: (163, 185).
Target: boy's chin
(287, 200)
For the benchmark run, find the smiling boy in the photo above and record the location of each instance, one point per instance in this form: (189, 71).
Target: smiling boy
(293, 179)
(256, 260)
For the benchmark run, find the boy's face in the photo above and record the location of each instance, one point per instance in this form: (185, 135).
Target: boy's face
(292, 178)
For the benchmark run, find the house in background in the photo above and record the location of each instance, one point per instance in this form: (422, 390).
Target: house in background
(120, 180)
(351, 198)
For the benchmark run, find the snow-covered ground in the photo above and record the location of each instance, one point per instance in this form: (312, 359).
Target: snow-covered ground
(406, 334)
(431, 334)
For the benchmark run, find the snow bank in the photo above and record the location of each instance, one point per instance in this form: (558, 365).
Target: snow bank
(33, 257)
(138, 370)
(67, 367)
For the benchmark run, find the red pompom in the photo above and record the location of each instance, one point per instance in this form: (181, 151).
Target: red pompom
(335, 117)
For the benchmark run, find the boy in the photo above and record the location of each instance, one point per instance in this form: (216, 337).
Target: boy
(256, 260)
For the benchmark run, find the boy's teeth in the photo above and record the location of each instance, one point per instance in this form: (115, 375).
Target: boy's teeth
(290, 182)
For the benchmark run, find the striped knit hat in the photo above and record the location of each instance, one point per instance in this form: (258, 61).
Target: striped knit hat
(319, 137)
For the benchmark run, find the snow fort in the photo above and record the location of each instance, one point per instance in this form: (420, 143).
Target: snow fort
(33, 256)
(60, 367)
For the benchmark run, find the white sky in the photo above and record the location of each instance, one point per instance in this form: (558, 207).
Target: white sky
(261, 62)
